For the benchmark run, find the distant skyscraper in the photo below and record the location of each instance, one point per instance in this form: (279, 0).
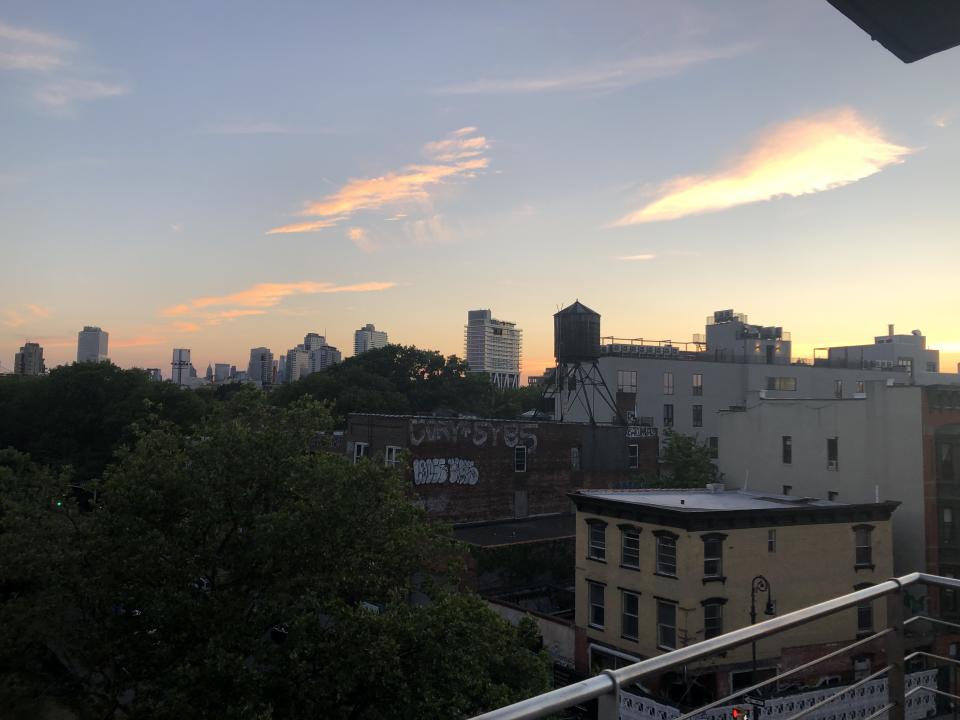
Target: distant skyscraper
(493, 347)
(180, 367)
(311, 355)
(260, 369)
(209, 375)
(29, 361)
(92, 344)
(221, 372)
(155, 374)
(368, 338)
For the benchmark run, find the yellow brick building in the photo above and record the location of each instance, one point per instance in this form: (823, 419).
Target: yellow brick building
(661, 569)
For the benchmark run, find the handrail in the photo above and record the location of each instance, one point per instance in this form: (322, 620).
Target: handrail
(611, 680)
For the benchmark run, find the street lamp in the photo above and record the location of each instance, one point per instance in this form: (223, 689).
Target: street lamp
(759, 585)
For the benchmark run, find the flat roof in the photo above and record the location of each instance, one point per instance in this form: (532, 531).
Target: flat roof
(697, 500)
(498, 533)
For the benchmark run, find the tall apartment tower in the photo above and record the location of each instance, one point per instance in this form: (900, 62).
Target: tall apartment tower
(29, 361)
(493, 347)
(180, 367)
(260, 370)
(368, 338)
(92, 344)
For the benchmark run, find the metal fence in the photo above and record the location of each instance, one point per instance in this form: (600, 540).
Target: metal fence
(608, 687)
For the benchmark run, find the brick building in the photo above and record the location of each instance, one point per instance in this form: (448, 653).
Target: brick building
(476, 470)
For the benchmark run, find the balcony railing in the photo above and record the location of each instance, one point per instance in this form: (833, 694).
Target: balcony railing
(608, 687)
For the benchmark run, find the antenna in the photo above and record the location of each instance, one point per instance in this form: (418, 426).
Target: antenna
(746, 479)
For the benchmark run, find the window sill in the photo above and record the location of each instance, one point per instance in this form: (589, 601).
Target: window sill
(631, 639)
(664, 648)
(715, 578)
(597, 560)
(865, 567)
(666, 575)
(635, 568)
(591, 626)
(861, 634)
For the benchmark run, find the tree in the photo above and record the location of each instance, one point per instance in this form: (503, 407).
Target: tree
(686, 462)
(400, 380)
(80, 414)
(229, 573)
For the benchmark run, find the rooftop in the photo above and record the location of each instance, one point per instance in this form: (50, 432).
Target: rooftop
(513, 532)
(697, 500)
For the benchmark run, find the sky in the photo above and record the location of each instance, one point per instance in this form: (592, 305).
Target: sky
(222, 176)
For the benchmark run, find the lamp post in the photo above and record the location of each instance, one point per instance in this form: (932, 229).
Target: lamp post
(759, 585)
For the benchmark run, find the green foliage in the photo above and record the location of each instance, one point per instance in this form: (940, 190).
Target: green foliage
(80, 414)
(686, 463)
(400, 380)
(163, 600)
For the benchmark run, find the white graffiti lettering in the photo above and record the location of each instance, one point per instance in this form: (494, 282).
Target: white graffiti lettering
(435, 471)
(482, 433)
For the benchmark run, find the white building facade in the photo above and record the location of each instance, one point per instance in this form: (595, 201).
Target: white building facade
(29, 361)
(368, 338)
(92, 344)
(493, 347)
(260, 369)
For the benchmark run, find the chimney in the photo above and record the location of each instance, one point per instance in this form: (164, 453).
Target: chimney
(890, 330)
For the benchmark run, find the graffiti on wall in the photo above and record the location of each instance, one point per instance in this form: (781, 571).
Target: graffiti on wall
(436, 471)
(482, 433)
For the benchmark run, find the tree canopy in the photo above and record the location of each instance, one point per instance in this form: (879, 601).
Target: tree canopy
(226, 572)
(400, 380)
(687, 463)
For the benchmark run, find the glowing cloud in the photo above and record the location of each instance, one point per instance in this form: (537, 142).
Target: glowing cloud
(214, 309)
(803, 156)
(458, 156)
(140, 341)
(361, 238)
(646, 256)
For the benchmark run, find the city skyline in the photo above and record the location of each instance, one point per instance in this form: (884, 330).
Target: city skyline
(657, 162)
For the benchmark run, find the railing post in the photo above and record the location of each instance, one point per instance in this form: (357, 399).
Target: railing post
(608, 704)
(895, 654)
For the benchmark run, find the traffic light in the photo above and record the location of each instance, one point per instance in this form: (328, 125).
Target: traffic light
(740, 713)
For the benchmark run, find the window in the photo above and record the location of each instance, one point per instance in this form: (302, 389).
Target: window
(634, 456)
(838, 389)
(360, 451)
(668, 416)
(948, 596)
(906, 364)
(666, 625)
(771, 541)
(861, 668)
(627, 381)
(596, 540)
(520, 458)
(713, 556)
(630, 615)
(668, 383)
(788, 384)
(931, 367)
(698, 383)
(630, 546)
(946, 527)
(861, 387)
(833, 453)
(713, 445)
(787, 449)
(595, 601)
(666, 553)
(864, 613)
(575, 458)
(864, 547)
(713, 617)
(392, 455)
(698, 415)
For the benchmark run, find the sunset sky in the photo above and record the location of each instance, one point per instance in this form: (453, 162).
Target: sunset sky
(221, 176)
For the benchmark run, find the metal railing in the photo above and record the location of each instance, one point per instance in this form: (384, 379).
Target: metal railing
(606, 687)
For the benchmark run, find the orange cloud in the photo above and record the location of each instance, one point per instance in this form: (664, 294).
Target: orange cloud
(645, 256)
(141, 341)
(361, 238)
(455, 157)
(39, 311)
(255, 300)
(803, 156)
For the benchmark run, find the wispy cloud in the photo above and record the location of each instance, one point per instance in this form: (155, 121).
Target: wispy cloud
(38, 311)
(176, 227)
(803, 156)
(247, 128)
(598, 76)
(644, 256)
(18, 317)
(361, 238)
(13, 319)
(50, 63)
(432, 230)
(67, 92)
(138, 341)
(255, 300)
(458, 156)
